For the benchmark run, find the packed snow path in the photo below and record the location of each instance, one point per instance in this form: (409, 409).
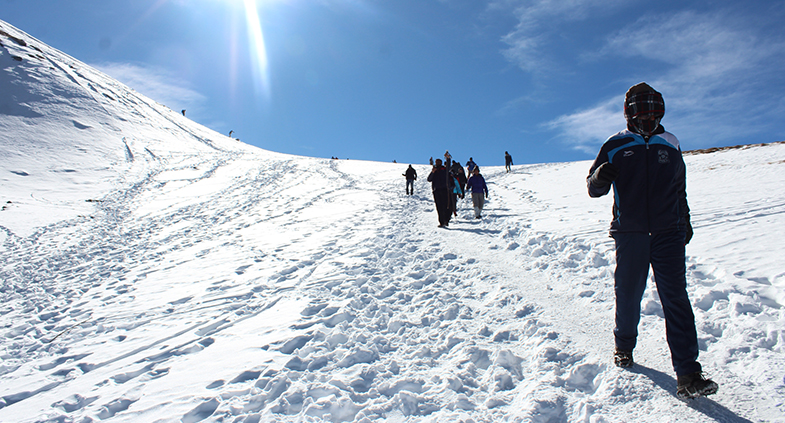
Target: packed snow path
(153, 270)
(251, 287)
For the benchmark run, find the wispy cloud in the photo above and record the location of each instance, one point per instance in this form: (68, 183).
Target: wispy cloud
(720, 79)
(583, 130)
(156, 83)
(539, 24)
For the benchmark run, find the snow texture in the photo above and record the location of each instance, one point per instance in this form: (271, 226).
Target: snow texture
(154, 270)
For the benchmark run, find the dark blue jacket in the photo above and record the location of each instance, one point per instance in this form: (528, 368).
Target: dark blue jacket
(650, 191)
(477, 184)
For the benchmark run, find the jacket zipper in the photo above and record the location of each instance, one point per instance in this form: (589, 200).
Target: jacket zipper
(648, 188)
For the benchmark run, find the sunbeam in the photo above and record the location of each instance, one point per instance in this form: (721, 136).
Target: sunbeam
(258, 50)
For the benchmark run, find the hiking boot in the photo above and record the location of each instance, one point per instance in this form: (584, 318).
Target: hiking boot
(623, 358)
(694, 385)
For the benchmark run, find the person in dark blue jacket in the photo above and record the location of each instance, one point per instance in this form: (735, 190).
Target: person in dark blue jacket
(470, 165)
(477, 184)
(643, 165)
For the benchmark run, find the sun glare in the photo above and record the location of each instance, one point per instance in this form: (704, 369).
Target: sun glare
(258, 50)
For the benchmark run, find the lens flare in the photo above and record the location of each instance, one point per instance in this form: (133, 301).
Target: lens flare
(258, 50)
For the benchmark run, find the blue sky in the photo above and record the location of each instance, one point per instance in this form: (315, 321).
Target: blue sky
(405, 80)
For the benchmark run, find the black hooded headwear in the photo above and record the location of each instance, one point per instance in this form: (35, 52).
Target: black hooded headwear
(643, 100)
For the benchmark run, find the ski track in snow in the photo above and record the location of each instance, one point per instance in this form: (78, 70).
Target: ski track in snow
(222, 283)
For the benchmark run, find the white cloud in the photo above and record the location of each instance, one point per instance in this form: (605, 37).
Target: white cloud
(720, 78)
(156, 83)
(539, 25)
(585, 129)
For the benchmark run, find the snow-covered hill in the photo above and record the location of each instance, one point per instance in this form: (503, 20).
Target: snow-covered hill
(154, 270)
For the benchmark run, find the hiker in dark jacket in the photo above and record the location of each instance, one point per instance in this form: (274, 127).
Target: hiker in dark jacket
(507, 161)
(456, 193)
(651, 226)
(441, 185)
(411, 176)
(458, 172)
(470, 165)
(479, 191)
(460, 185)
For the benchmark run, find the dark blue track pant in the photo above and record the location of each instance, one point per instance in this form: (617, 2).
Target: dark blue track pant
(410, 186)
(665, 253)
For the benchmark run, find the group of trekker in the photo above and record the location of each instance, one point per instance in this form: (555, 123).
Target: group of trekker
(449, 183)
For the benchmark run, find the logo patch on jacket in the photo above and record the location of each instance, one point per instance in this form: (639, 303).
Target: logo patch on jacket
(663, 156)
(628, 153)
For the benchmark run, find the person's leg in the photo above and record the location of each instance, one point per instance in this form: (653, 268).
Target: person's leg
(442, 200)
(437, 202)
(668, 264)
(477, 201)
(448, 207)
(632, 269)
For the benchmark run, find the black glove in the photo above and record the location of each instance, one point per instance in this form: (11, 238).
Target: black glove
(688, 237)
(604, 175)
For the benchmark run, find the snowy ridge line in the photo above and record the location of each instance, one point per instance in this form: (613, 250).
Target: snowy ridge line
(75, 71)
(734, 147)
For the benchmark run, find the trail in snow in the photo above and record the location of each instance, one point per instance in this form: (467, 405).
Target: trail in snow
(368, 311)
(153, 270)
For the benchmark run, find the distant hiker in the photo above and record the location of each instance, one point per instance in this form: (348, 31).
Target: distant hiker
(470, 165)
(457, 189)
(441, 185)
(458, 171)
(411, 176)
(183, 112)
(651, 226)
(507, 161)
(460, 181)
(447, 159)
(395, 161)
(230, 133)
(477, 184)
(431, 161)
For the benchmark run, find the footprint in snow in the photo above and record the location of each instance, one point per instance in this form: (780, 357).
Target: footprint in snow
(114, 407)
(240, 270)
(201, 412)
(74, 403)
(242, 377)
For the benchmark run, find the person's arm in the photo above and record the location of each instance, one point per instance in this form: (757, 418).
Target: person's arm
(681, 190)
(601, 175)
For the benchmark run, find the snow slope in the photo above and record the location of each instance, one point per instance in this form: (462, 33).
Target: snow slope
(154, 270)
